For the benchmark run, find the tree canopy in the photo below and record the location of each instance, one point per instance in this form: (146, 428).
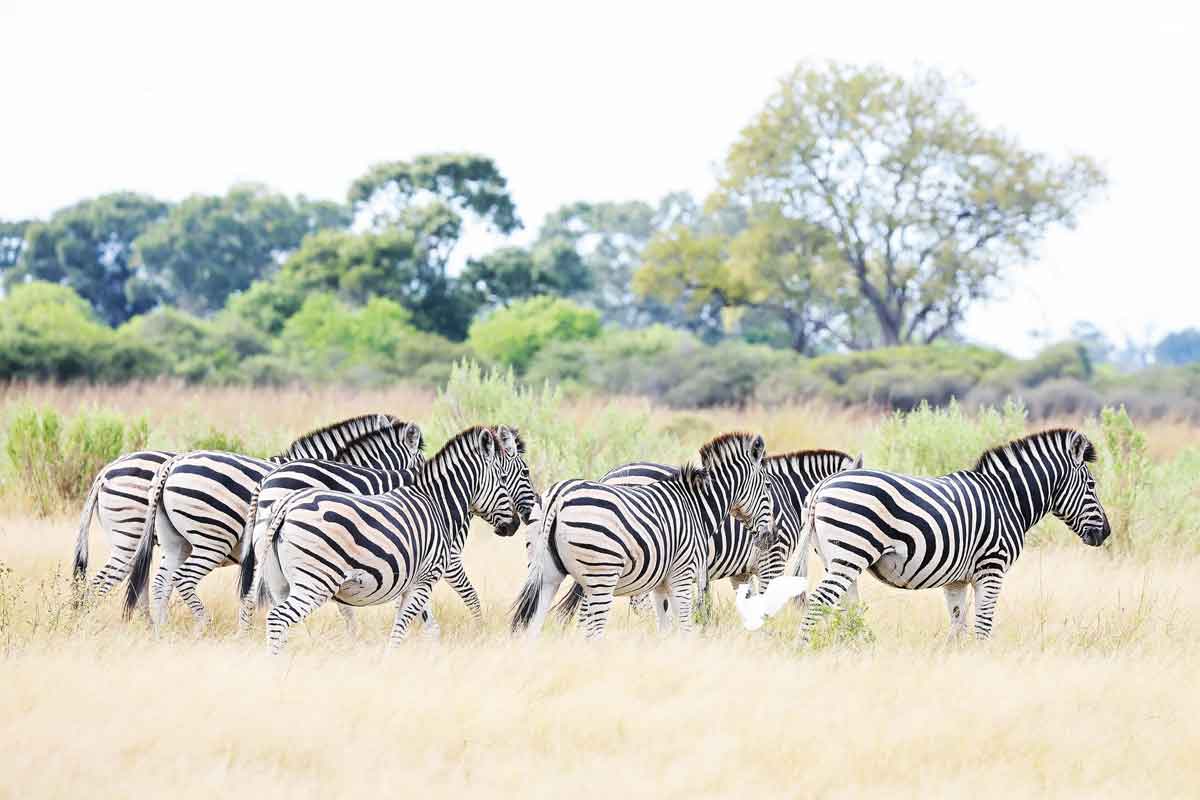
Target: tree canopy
(877, 209)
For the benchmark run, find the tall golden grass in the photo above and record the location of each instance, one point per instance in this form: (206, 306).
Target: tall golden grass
(1086, 690)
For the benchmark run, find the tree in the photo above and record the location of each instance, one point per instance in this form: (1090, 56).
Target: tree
(1098, 346)
(464, 181)
(895, 205)
(207, 247)
(514, 273)
(1179, 347)
(89, 247)
(514, 335)
(610, 239)
(12, 243)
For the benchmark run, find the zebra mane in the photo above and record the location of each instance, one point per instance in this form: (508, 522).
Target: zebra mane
(1027, 442)
(460, 440)
(805, 455)
(367, 426)
(735, 444)
(689, 475)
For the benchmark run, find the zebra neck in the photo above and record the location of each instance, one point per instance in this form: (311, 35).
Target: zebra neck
(451, 498)
(715, 505)
(1025, 489)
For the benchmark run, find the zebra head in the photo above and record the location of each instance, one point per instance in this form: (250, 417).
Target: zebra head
(793, 477)
(733, 466)
(1074, 500)
(514, 473)
(491, 501)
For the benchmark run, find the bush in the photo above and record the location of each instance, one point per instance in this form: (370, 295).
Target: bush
(197, 350)
(224, 442)
(937, 441)
(559, 446)
(54, 461)
(513, 336)
(1123, 474)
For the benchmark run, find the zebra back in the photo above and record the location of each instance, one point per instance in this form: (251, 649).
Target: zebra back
(381, 441)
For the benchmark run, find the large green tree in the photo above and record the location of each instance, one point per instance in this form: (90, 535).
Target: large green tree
(513, 273)
(879, 207)
(209, 247)
(12, 243)
(89, 247)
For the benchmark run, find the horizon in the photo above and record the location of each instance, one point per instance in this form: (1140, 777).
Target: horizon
(601, 119)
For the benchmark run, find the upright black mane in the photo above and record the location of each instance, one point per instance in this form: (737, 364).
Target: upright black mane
(1026, 442)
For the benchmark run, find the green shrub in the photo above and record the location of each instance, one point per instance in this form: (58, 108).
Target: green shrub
(513, 336)
(937, 441)
(558, 446)
(1124, 473)
(214, 439)
(54, 460)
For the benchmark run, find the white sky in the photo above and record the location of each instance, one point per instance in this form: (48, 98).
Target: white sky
(609, 101)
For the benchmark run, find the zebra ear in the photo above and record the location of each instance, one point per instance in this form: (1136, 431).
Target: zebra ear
(855, 464)
(1080, 448)
(412, 437)
(487, 444)
(758, 449)
(508, 440)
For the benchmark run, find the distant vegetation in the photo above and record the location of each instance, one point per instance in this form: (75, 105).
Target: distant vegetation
(858, 217)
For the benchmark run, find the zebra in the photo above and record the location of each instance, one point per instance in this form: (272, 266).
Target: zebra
(732, 552)
(631, 539)
(965, 529)
(308, 474)
(199, 502)
(118, 495)
(371, 550)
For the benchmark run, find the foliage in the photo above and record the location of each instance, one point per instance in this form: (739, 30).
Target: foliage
(463, 180)
(327, 338)
(222, 442)
(12, 243)
(843, 626)
(1180, 347)
(53, 460)
(512, 336)
(559, 448)
(208, 247)
(195, 349)
(1124, 474)
(89, 247)
(878, 208)
(48, 331)
(938, 441)
(515, 273)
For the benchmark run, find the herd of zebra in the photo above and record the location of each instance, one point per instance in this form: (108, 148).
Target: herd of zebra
(356, 513)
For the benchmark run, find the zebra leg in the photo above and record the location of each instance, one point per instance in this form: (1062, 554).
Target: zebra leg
(850, 598)
(198, 565)
(662, 607)
(429, 626)
(302, 601)
(408, 606)
(987, 590)
(176, 550)
(680, 588)
(599, 603)
(843, 573)
(456, 576)
(348, 617)
(956, 604)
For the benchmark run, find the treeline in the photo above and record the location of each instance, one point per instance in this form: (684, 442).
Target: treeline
(858, 217)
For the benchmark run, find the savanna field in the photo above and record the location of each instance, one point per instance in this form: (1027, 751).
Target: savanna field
(1087, 687)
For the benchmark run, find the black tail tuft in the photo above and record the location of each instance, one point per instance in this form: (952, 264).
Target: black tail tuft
(524, 609)
(246, 576)
(139, 574)
(566, 608)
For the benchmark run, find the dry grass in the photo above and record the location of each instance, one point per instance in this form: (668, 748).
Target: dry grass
(1086, 690)
(1083, 692)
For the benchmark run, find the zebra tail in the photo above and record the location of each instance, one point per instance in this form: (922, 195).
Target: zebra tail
(268, 545)
(85, 523)
(139, 573)
(246, 569)
(566, 608)
(526, 606)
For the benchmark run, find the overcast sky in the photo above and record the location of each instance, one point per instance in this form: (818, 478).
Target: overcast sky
(609, 101)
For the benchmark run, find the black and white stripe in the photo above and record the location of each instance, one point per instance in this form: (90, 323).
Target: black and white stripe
(621, 540)
(957, 531)
(118, 496)
(199, 502)
(370, 550)
(308, 474)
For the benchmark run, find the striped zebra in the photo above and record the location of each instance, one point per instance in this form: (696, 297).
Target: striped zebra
(289, 478)
(118, 496)
(621, 540)
(370, 550)
(199, 503)
(961, 530)
(734, 552)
